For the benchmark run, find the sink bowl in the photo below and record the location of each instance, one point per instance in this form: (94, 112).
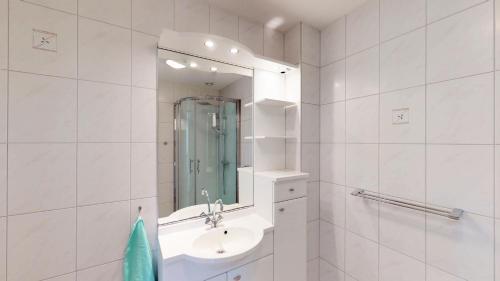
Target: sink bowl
(224, 244)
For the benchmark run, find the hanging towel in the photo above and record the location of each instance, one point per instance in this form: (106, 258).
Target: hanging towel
(138, 263)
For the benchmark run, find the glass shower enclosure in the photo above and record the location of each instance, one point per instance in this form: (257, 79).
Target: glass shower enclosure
(206, 151)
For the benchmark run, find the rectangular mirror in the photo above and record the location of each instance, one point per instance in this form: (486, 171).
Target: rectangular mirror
(205, 128)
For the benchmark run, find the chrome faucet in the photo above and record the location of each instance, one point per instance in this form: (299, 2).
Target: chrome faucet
(212, 217)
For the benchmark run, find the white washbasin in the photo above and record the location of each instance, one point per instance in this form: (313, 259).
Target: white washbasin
(224, 244)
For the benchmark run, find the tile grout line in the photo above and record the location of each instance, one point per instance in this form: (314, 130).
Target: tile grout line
(425, 140)
(378, 135)
(77, 130)
(495, 273)
(7, 149)
(345, 149)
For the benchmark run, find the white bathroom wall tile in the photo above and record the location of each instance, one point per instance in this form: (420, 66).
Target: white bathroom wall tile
(497, 182)
(403, 230)
(468, 36)
(310, 83)
(149, 213)
(333, 42)
(103, 112)
(332, 163)
(313, 200)
(434, 274)
(362, 216)
(65, 277)
(23, 57)
(413, 100)
(292, 45)
(362, 120)
(333, 123)
(103, 231)
(44, 236)
(398, 267)
(192, 16)
(3, 248)
(332, 203)
(310, 160)
(310, 123)
(403, 61)
(223, 23)
(3, 180)
(143, 127)
(3, 105)
(41, 108)
(400, 16)
(103, 172)
(362, 28)
(362, 73)
(463, 248)
(143, 170)
(69, 6)
(461, 111)
(311, 45)
(111, 11)
(51, 183)
(402, 171)
(4, 33)
(439, 9)
(103, 52)
(110, 272)
(362, 166)
(362, 259)
(497, 107)
(313, 240)
(152, 16)
(251, 34)
(332, 241)
(453, 169)
(273, 44)
(327, 272)
(144, 60)
(332, 82)
(497, 249)
(313, 270)
(497, 34)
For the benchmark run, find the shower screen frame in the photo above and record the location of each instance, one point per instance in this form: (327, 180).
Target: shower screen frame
(177, 132)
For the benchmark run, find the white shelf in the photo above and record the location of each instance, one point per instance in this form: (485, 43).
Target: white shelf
(269, 138)
(275, 102)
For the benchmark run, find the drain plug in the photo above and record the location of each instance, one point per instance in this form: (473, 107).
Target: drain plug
(221, 251)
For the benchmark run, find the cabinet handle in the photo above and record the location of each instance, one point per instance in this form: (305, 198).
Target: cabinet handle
(282, 210)
(237, 278)
(292, 189)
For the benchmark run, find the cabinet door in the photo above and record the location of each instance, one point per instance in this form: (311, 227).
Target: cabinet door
(290, 240)
(260, 270)
(222, 277)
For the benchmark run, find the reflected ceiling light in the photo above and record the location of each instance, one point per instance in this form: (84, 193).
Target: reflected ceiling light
(174, 64)
(213, 68)
(234, 51)
(193, 64)
(209, 44)
(275, 22)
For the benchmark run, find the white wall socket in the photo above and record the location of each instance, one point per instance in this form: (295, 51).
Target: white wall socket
(44, 40)
(400, 116)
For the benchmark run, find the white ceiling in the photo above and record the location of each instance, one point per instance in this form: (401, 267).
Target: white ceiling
(286, 13)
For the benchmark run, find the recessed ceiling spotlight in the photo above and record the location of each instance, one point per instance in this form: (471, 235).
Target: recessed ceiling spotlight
(174, 64)
(213, 69)
(234, 51)
(193, 64)
(209, 44)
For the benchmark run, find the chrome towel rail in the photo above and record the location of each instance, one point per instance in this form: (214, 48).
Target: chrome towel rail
(454, 214)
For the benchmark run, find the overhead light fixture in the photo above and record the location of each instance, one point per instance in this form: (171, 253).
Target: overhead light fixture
(193, 64)
(175, 65)
(234, 51)
(209, 44)
(213, 69)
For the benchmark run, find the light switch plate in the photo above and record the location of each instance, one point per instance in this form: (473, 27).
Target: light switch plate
(400, 116)
(44, 40)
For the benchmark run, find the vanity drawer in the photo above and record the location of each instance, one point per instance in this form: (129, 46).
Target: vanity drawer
(260, 270)
(289, 190)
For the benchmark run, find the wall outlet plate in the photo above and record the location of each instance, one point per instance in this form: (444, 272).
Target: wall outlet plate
(44, 40)
(400, 116)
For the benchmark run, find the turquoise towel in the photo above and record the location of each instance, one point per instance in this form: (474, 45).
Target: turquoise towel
(138, 264)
